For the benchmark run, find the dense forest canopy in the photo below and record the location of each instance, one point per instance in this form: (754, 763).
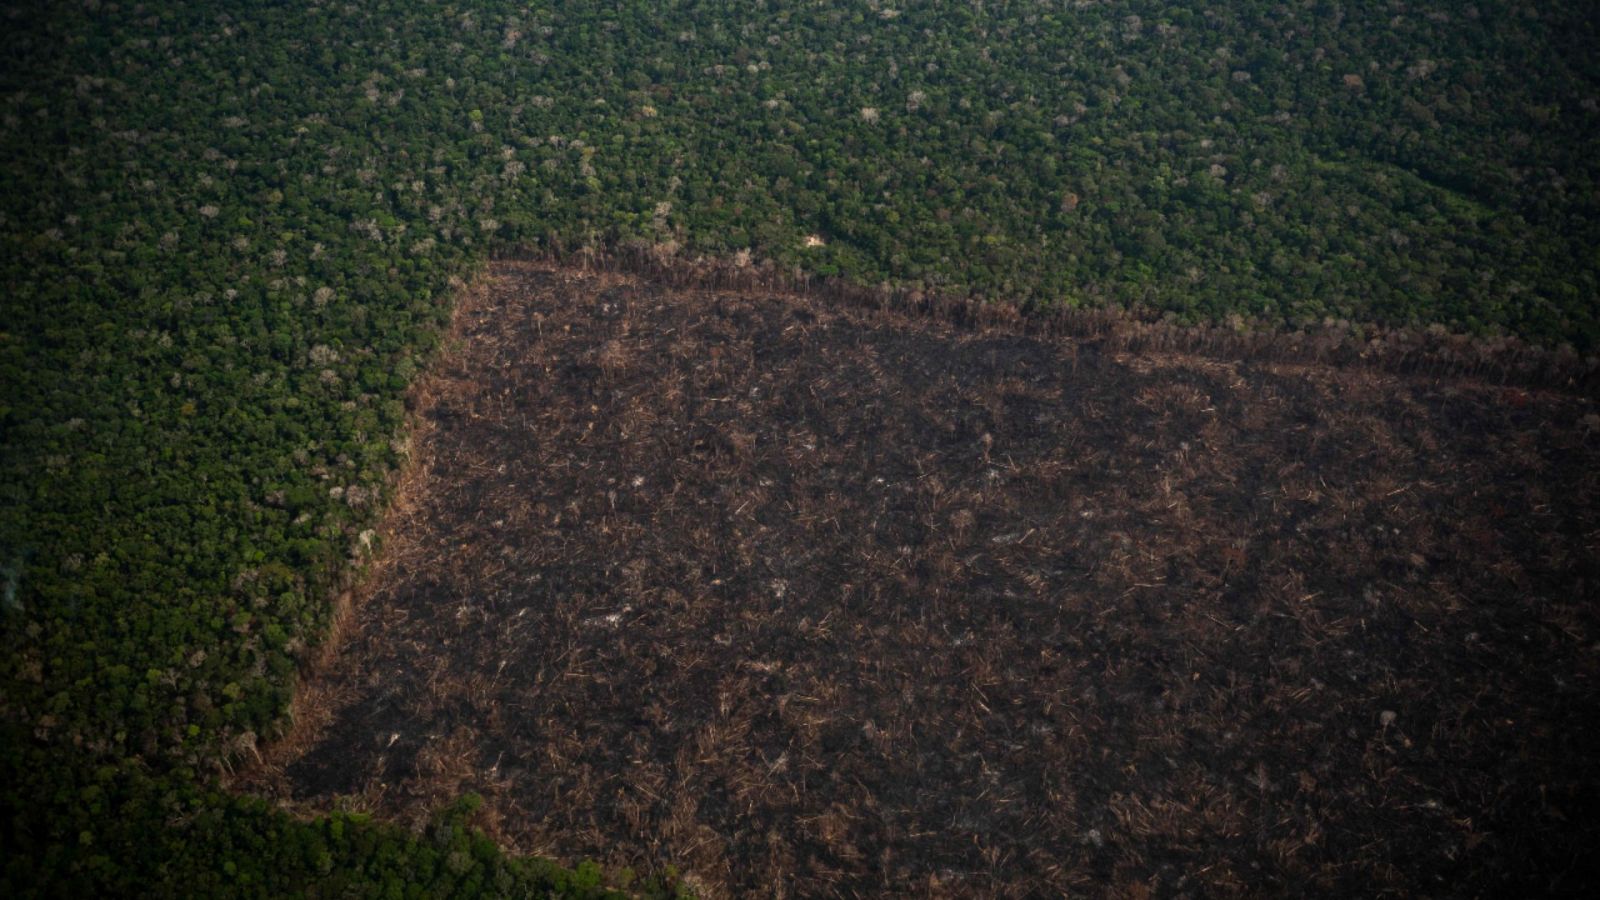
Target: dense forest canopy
(229, 233)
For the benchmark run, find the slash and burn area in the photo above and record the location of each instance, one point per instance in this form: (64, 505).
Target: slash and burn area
(809, 600)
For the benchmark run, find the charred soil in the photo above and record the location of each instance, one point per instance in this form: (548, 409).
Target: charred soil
(810, 600)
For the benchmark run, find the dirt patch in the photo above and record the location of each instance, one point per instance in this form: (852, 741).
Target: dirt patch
(819, 601)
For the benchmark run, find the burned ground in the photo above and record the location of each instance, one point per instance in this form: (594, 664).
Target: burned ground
(819, 601)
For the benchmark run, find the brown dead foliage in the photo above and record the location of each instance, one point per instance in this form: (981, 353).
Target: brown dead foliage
(813, 600)
(1432, 350)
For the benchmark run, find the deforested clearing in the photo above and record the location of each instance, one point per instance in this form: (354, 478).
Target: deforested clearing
(816, 601)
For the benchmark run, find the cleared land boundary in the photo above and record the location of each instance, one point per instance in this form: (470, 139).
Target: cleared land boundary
(1431, 351)
(789, 591)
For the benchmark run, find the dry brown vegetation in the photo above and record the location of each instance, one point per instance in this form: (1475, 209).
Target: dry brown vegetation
(812, 600)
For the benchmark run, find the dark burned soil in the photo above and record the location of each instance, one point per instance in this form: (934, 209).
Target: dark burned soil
(816, 601)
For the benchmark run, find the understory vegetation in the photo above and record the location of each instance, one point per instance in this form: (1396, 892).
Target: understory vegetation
(230, 235)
